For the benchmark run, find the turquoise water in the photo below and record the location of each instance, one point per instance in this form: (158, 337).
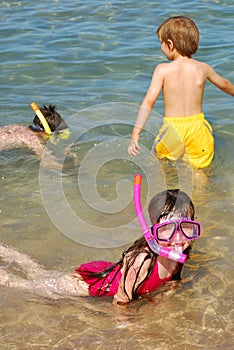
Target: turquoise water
(94, 61)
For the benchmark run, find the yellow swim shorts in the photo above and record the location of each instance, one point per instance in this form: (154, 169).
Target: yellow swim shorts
(190, 138)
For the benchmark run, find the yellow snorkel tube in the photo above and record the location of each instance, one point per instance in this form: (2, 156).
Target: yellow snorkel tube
(43, 121)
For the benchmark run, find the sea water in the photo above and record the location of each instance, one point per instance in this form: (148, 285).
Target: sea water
(94, 61)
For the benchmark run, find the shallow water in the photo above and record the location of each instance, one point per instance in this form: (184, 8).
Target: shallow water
(94, 61)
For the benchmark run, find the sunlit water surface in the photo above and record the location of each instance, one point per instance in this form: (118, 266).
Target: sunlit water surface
(94, 61)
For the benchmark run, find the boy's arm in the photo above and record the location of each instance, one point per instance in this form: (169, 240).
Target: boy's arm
(146, 108)
(48, 160)
(222, 83)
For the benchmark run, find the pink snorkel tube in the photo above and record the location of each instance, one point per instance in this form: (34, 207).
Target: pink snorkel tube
(163, 251)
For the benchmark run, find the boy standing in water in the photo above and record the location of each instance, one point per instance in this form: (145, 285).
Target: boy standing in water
(185, 132)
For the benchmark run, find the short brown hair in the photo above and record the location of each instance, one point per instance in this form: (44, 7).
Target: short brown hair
(183, 32)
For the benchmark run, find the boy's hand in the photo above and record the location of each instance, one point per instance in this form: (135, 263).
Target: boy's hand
(133, 148)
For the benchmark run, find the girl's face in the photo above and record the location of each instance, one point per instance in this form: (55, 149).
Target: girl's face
(178, 242)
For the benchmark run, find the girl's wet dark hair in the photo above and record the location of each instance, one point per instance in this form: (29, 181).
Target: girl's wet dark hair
(53, 118)
(170, 202)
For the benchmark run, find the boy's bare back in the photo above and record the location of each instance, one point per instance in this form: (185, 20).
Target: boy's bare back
(14, 135)
(33, 136)
(182, 82)
(20, 136)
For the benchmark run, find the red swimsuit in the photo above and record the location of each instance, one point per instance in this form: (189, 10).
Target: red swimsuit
(108, 285)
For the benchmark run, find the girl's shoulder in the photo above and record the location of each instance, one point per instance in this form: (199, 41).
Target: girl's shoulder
(143, 257)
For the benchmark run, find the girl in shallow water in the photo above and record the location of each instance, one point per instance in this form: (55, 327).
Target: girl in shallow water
(138, 272)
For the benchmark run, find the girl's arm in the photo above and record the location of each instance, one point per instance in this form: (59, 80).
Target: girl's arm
(146, 108)
(131, 278)
(221, 83)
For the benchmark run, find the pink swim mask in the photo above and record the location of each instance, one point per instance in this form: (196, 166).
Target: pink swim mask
(146, 230)
(164, 232)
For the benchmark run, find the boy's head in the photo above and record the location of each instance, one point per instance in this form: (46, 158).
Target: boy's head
(183, 32)
(170, 202)
(54, 120)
